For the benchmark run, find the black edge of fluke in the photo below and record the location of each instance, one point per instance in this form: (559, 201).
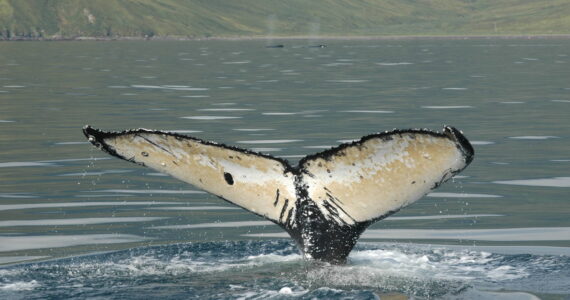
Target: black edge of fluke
(97, 137)
(93, 135)
(462, 142)
(448, 131)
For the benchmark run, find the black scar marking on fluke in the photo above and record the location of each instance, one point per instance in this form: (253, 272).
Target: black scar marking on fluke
(331, 209)
(329, 194)
(288, 219)
(229, 178)
(315, 235)
(155, 144)
(283, 209)
(333, 201)
(276, 198)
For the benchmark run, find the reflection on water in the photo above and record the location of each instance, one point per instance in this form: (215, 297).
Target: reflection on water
(78, 204)
(178, 208)
(11, 259)
(446, 106)
(25, 164)
(481, 143)
(548, 182)
(84, 221)
(61, 197)
(12, 243)
(209, 117)
(504, 234)
(268, 141)
(369, 111)
(148, 191)
(533, 137)
(284, 235)
(217, 225)
(461, 195)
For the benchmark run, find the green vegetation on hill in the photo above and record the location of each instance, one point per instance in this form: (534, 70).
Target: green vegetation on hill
(230, 18)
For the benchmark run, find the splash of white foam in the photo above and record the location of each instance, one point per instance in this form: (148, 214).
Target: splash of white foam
(398, 267)
(19, 286)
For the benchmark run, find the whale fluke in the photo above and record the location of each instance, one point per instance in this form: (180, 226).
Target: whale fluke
(327, 200)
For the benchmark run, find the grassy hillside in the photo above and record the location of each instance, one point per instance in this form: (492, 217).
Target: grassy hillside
(224, 18)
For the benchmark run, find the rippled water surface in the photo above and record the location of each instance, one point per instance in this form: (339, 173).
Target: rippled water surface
(75, 223)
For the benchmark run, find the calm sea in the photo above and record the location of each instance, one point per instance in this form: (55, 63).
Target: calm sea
(78, 224)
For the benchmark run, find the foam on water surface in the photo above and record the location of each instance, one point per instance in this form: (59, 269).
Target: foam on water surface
(275, 269)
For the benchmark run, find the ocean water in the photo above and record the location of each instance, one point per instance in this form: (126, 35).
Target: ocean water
(78, 224)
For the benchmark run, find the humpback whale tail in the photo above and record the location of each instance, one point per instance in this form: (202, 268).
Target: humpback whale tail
(327, 200)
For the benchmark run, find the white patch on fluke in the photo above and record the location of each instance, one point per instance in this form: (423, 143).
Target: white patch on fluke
(380, 176)
(245, 179)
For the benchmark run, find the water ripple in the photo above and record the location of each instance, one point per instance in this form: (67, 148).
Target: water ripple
(13, 243)
(80, 221)
(80, 204)
(534, 137)
(546, 182)
(446, 106)
(462, 195)
(217, 225)
(268, 141)
(211, 117)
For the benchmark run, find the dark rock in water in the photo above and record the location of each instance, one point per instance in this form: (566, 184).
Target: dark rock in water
(275, 46)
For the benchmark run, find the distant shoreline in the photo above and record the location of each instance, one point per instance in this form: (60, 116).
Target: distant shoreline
(300, 37)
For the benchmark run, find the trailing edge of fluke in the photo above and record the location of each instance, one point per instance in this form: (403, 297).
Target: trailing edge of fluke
(324, 202)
